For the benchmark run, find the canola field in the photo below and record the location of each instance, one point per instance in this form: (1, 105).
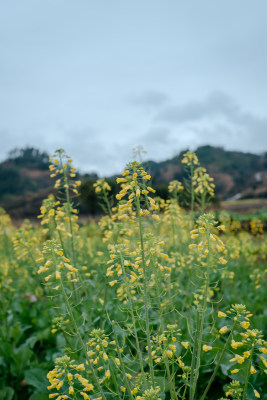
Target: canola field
(152, 301)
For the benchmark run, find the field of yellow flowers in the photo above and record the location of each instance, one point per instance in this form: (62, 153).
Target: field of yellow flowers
(150, 302)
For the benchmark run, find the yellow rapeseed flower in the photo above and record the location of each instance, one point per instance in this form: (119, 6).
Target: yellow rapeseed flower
(80, 367)
(206, 348)
(245, 324)
(107, 374)
(221, 314)
(224, 329)
(185, 344)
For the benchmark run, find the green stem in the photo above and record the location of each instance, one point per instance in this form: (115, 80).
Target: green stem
(107, 202)
(146, 300)
(170, 380)
(68, 211)
(58, 231)
(185, 389)
(186, 291)
(121, 362)
(202, 203)
(104, 302)
(218, 363)
(192, 188)
(133, 318)
(70, 383)
(193, 357)
(113, 377)
(248, 372)
(72, 253)
(201, 334)
(172, 386)
(80, 340)
(173, 228)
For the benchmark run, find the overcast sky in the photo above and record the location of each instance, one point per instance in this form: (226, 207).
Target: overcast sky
(99, 77)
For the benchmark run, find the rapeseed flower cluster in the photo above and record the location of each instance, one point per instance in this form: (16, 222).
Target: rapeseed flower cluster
(55, 266)
(66, 377)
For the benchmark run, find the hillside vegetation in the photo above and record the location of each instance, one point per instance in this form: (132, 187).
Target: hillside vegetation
(233, 172)
(25, 181)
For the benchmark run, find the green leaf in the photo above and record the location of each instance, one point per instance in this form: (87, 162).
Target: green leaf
(39, 396)
(6, 393)
(36, 377)
(30, 342)
(6, 350)
(21, 359)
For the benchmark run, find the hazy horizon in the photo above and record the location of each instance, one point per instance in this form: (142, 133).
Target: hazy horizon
(144, 157)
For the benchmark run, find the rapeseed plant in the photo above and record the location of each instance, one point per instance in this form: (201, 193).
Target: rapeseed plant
(139, 300)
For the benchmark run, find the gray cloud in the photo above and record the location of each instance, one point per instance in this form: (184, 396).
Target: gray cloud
(149, 98)
(216, 104)
(217, 119)
(157, 134)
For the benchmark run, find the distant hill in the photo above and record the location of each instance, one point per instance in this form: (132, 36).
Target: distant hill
(24, 181)
(236, 174)
(25, 178)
